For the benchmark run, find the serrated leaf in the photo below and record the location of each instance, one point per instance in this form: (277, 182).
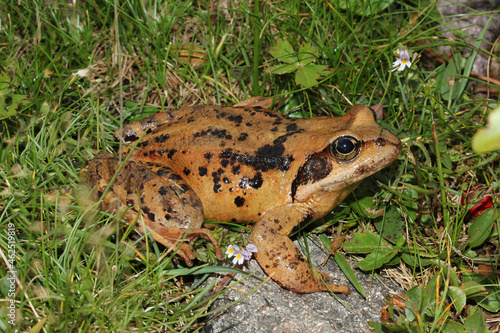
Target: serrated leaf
(376, 259)
(281, 69)
(4, 83)
(306, 77)
(283, 51)
(348, 272)
(480, 229)
(320, 69)
(307, 54)
(458, 298)
(488, 138)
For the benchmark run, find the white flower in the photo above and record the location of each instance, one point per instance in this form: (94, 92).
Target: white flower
(240, 255)
(232, 250)
(239, 258)
(251, 248)
(402, 62)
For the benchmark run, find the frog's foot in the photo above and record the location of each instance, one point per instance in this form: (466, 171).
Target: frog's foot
(173, 238)
(281, 260)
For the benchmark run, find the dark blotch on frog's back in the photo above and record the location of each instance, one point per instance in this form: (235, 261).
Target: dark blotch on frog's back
(202, 171)
(266, 158)
(161, 138)
(236, 169)
(243, 136)
(255, 182)
(293, 128)
(239, 201)
(171, 153)
(236, 119)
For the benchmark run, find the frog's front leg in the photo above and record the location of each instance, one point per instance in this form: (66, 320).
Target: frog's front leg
(279, 257)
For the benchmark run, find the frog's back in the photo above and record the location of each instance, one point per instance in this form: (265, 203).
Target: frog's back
(236, 159)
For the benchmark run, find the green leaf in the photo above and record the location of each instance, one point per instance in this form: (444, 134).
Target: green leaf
(447, 78)
(365, 7)
(476, 323)
(282, 69)
(377, 259)
(9, 102)
(348, 272)
(473, 289)
(320, 69)
(451, 326)
(306, 77)
(392, 226)
(283, 51)
(4, 84)
(366, 207)
(307, 54)
(410, 259)
(363, 242)
(488, 138)
(490, 302)
(412, 302)
(458, 298)
(387, 327)
(452, 275)
(480, 229)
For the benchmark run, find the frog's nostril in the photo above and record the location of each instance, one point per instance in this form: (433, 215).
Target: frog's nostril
(380, 142)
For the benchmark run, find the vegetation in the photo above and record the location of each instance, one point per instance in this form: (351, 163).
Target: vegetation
(72, 72)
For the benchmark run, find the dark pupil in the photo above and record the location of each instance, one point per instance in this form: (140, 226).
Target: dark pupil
(345, 146)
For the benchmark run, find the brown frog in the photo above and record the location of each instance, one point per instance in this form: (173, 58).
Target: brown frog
(242, 164)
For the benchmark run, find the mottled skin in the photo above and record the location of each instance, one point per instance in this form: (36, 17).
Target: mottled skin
(242, 164)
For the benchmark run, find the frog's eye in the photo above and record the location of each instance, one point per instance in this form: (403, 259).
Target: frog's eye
(345, 148)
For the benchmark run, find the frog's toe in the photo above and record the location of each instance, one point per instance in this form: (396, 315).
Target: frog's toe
(173, 238)
(209, 236)
(338, 288)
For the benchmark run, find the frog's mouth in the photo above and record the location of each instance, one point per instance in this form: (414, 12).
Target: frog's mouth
(351, 184)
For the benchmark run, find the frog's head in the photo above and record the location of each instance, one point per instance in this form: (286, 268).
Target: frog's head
(357, 148)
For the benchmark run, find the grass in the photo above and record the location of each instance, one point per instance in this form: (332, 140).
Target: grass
(71, 75)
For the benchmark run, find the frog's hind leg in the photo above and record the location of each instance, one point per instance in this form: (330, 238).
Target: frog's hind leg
(173, 238)
(279, 257)
(169, 209)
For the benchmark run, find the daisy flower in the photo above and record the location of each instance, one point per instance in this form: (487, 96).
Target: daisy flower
(402, 62)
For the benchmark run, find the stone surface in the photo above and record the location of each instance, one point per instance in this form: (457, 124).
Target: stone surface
(470, 18)
(274, 309)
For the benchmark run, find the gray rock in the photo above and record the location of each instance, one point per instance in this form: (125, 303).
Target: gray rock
(274, 309)
(470, 18)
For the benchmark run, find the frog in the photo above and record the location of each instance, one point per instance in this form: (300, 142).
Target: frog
(243, 164)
